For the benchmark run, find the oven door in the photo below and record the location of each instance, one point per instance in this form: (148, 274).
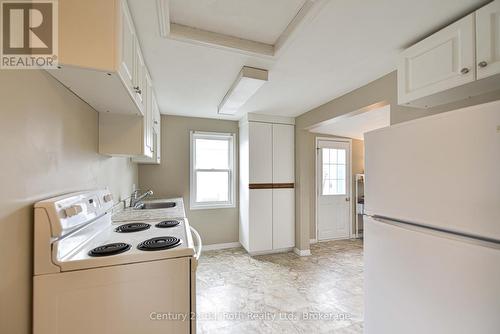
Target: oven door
(146, 297)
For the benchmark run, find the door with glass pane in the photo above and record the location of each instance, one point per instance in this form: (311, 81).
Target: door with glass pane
(333, 198)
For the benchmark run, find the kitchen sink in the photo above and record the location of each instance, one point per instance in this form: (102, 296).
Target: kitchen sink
(155, 205)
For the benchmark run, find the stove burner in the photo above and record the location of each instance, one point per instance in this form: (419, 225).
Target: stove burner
(159, 243)
(110, 249)
(132, 227)
(168, 223)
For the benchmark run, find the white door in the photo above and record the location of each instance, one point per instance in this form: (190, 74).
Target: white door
(148, 113)
(139, 78)
(261, 152)
(333, 201)
(126, 69)
(283, 153)
(283, 218)
(441, 61)
(488, 39)
(261, 220)
(428, 282)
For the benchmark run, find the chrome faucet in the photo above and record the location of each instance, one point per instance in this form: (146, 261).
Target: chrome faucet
(135, 199)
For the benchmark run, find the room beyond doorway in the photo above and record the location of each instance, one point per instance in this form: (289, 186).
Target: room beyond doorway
(334, 203)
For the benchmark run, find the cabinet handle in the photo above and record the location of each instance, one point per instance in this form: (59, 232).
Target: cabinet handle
(156, 122)
(464, 70)
(482, 64)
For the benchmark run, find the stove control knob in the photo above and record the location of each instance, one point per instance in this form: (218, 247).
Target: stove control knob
(73, 210)
(107, 198)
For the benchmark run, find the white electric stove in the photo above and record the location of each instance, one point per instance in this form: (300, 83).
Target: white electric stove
(93, 275)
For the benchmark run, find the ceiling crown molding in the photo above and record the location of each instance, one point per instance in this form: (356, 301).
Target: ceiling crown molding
(205, 38)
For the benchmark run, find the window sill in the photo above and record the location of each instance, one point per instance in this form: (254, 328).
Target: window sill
(211, 206)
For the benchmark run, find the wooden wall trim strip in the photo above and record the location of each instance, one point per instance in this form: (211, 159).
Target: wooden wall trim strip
(271, 185)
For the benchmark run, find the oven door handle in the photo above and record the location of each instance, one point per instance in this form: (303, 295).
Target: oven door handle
(198, 242)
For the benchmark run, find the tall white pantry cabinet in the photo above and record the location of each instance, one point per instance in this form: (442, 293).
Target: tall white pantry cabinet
(267, 181)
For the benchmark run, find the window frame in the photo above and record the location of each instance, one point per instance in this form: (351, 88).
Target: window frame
(231, 203)
(335, 165)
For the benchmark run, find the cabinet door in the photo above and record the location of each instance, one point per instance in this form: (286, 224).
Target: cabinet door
(283, 218)
(156, 113)
(439, 62)
(260, 214)
(147, 103)
(139, 77)
(283, 153)
(157, 131)
(127, 49)
(260, 152)
(488, 40)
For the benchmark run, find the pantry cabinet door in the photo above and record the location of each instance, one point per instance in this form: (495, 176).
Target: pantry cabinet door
(488, 40)
(261, 220)
(442, 61)
(283, 218)
(283, 153)
(260, 152)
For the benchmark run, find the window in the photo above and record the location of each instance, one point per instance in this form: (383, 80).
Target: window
(212, 170)
(334, 171)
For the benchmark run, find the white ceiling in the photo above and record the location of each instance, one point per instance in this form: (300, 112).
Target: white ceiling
(257, 20)
(348, 44)
(357, 125)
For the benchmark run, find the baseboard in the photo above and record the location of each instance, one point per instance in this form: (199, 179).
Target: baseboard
(272, 251)
(221, 246)
(302, 252)
(313, 241)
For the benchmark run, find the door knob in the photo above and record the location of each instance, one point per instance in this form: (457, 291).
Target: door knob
(464, 70)
(347, 199)
(482, 64)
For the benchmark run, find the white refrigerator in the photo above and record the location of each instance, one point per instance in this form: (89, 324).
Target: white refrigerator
(432, 224)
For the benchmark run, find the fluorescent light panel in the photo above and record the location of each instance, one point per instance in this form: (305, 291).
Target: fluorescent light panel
(249, 80)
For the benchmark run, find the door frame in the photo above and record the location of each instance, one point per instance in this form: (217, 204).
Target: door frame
(316, 190)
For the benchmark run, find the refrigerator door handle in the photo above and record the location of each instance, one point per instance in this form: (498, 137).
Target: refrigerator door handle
(475, 239)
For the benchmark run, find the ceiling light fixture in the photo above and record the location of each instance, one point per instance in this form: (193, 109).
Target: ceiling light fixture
(249, 80)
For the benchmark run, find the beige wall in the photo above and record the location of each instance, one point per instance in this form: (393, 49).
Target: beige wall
(48, 146)
(381, 91)
(171, 178)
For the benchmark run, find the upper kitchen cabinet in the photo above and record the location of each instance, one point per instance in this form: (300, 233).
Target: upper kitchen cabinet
(99, 55)
(459, 61)
(440, 62)
(488, 40)
(153, 133)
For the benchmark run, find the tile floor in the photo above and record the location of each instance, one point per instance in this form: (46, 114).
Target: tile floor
(282, 293)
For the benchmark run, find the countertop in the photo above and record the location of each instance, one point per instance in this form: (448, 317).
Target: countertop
(129, 214)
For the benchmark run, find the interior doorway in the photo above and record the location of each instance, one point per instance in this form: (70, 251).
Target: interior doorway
(333, 202)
